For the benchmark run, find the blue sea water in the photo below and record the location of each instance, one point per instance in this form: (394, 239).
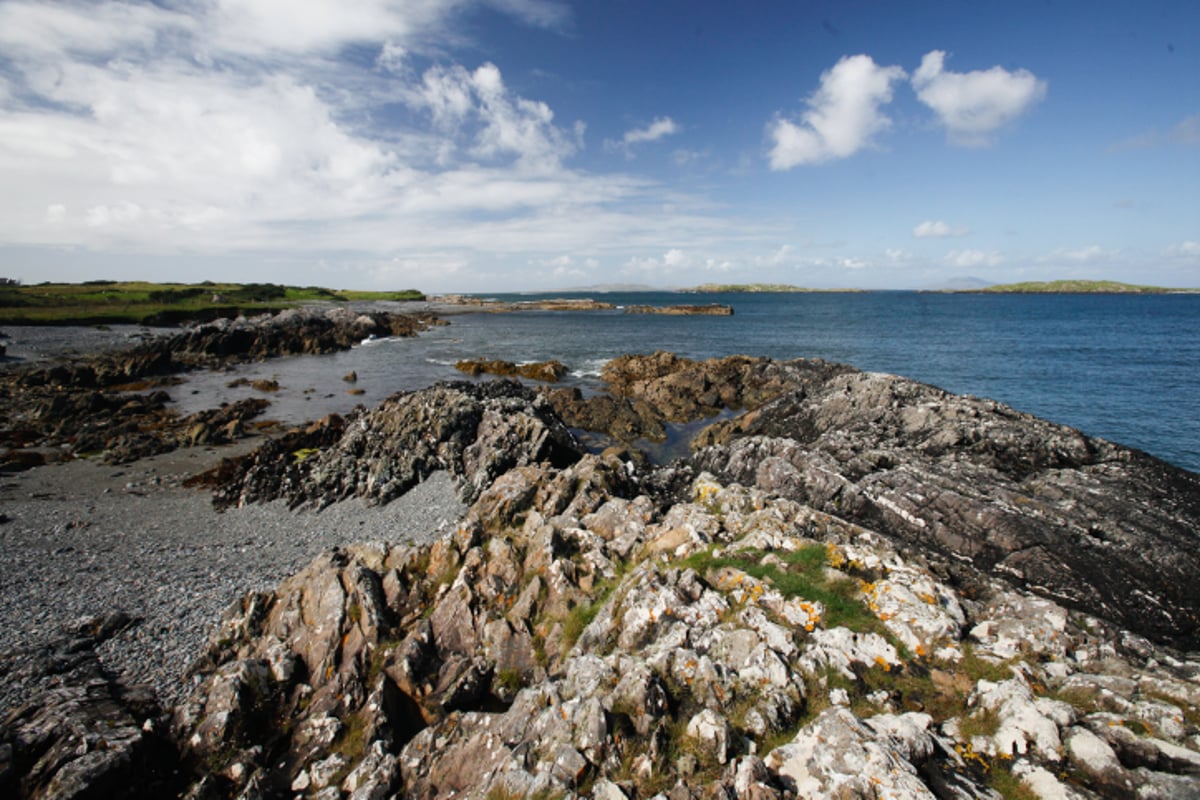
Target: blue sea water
(1123, 367)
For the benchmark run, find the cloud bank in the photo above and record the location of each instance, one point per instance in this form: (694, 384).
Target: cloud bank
(301, 129)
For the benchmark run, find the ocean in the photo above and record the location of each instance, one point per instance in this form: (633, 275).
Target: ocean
(1122, 367)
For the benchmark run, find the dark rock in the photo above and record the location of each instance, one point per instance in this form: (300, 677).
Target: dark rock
(476, 431)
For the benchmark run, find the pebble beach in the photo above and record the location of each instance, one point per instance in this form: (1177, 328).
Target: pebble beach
(82, 539)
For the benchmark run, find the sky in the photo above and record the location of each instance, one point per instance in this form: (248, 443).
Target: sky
(514, 145)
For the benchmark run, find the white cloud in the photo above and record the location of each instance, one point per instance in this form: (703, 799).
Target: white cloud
(258, 27)
(516, 126)
(392, 57)
(973, 258)
(937, 229)
(1092, 254)
(41, 29)
(675, 258)
(542, 13)
(897, 255)
(478, 106)
(783, 255)
(974, 105)
(660, 128)
(842, 118)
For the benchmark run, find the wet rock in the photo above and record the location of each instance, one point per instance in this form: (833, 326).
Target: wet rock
(545, 371)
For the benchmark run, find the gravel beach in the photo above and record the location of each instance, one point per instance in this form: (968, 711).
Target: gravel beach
(83, 538)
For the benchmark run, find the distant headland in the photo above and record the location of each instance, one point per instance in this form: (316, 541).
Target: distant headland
(1074, 287)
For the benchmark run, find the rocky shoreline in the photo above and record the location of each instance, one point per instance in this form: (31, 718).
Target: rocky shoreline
(855, 586)
(103, 402)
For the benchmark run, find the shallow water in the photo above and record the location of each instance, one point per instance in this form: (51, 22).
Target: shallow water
(1126, 368)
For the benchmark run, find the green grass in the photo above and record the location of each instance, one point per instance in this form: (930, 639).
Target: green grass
(580, 617)
(1008, 785)
(1075, 287)
(802, 574)
(138, 302)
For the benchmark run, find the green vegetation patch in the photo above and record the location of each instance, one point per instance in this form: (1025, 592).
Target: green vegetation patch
(800, 573)
(139, 302)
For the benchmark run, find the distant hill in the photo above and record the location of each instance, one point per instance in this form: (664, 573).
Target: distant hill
(713, 288)
(1076, 287)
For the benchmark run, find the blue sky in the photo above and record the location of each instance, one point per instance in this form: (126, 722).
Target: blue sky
(491, 145)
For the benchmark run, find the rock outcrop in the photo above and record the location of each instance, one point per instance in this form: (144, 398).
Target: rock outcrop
(89, 735)
(598, 628)
(646, 393)
(971, 484)
(978, 487)
(503, 307)
(574, 637)
(476, 431)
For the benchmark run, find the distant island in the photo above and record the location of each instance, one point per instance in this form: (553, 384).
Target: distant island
(1073, 287)
(713, 288)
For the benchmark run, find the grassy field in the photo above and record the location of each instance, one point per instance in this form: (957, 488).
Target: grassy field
(1076, 287)
(114, 302)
